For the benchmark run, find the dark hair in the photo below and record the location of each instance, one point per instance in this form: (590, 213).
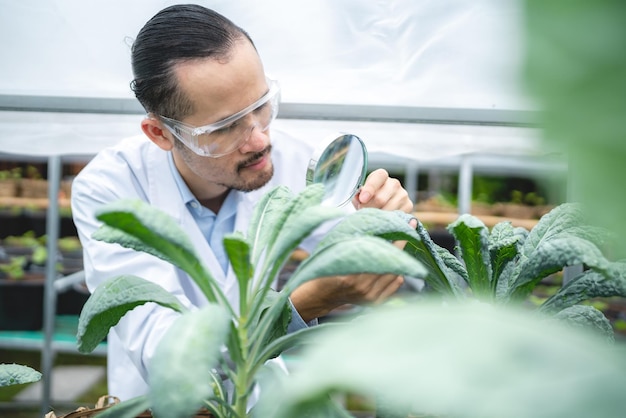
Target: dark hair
(177, 34)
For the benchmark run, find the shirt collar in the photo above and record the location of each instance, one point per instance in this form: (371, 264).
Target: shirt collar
(228, 209)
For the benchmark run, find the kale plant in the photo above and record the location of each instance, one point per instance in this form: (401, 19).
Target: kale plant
(186, 368)
(504, 265)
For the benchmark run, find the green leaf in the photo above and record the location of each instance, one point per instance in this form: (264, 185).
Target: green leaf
(503, 248)
(279, 324)
(288, 341)
(588, 318)
(390, 225)
(356, 255)
(452, 263)
(551, 256)
(506, 282)
(179, 372)
(298, 226)
(430, 254)
(16, 374)
(238, 252)
(296, 221)
(130, 408)
(267, 218)
(591, 284)
(472, 235)
(111, 301)
(393, 225)
(551, 225)
(506, 352)
(137, 225)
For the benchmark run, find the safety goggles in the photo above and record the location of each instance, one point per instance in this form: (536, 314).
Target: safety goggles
(229, 134)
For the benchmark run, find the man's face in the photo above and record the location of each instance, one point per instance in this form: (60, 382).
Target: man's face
(219, 89)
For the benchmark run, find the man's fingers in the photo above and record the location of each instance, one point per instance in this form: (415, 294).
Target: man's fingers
(390, 289)
(373, 183)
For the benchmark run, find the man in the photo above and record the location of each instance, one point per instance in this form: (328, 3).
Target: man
(205, 158)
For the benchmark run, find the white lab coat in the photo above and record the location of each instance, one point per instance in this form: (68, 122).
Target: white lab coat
(136, 168)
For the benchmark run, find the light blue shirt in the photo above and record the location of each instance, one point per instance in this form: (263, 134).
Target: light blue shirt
(215, 226)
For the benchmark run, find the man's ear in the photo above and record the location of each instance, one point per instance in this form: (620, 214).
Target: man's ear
(154, 130)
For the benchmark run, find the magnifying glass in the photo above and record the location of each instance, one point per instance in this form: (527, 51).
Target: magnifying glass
(340, 164)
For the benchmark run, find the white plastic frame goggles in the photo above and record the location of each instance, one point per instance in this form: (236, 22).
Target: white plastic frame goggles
(229, 134)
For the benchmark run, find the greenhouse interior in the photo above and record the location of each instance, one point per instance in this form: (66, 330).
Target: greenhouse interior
(159, 256)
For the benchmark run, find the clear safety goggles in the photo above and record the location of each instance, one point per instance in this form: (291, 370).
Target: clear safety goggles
(229, 134)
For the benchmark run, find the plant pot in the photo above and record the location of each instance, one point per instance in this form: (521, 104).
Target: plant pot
(106, 402)
(21, 303)
(8, 188)
(34, 188)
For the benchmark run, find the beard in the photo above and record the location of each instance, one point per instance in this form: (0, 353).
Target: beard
(259, 180)
(237, 177)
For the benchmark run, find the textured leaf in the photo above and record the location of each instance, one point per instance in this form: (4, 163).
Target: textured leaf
(353, 256)
(551, 225)
(503, 248)
(452, 363)
(551, 256)
(111, 301)
(506, 283)
(587, 317)
(288, 341)
(145, 228)
(426, 251)
(179, 372)
(390, 225)
(452, 264)
(16, 374)
(137, 225)
(291, 227)
(130, 408)
(296, 221)
(589, 285)
(299, 226)
(238, 252)
(278, 326)
(267, 218)
(472, 235)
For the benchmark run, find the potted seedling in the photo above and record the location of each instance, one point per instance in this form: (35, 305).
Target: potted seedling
(33, 185)
(10, 182)
(22, 281)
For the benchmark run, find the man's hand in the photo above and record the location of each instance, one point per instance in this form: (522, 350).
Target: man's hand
(383, 192)
(318, 297)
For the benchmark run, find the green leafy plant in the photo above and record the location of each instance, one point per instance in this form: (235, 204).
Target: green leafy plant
(183, 374)
(26, 240)
(16, 374)
(466, 359)
(14, 269)
(505, 264)
(12, 174)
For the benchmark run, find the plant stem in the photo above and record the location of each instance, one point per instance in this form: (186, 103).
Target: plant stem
(242, 378)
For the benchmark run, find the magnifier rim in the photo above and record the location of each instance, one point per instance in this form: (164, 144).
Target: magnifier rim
(319, 152)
